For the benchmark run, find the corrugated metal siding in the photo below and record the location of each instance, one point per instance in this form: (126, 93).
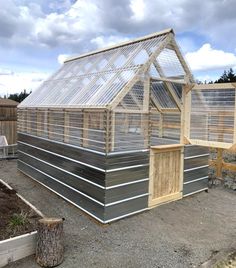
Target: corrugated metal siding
(195, 169)
(107, 187)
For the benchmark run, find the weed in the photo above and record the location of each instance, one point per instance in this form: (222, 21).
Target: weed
(17, 220)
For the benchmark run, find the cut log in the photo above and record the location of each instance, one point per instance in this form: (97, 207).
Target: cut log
(50, 249)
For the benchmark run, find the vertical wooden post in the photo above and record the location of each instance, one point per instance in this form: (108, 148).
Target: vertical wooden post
(161, 132)
(234, 137)
(28, 120)
(38, 122)
(221, 127)
(85, 128)
(186, 114)
(126, 124)
(219, 162)
(112, 127)
(146, 94)
(109, 130)
(145, 118)
(66, 127)
(47, 124)
(181, 175)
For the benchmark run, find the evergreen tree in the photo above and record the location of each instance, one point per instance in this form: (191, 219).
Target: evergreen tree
(19, 97)
(227, 76)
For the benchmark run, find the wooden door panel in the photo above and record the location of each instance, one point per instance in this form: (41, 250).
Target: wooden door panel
(166, 174)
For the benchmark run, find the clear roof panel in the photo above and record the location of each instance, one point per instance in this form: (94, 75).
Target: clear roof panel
(94, 80)
(170, 64)
(162, 96)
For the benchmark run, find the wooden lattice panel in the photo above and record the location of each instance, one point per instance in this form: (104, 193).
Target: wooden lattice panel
(166, 174)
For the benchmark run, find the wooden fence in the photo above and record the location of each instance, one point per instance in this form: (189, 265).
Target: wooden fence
(219, 164)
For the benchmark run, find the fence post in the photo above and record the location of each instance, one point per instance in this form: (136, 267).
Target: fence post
(219, 162)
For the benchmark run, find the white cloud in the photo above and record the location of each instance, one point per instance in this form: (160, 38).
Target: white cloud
(5, 72)
(138, 8)
(103, 41)
(207, 78)
(208, 58)
(62, 57)
(33, 32)
(15, 82)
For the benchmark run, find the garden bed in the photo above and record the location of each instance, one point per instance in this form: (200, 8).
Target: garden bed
(18, 224)
(16, 217)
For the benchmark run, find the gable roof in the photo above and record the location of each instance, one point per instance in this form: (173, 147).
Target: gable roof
(8, 102)
(95, 79)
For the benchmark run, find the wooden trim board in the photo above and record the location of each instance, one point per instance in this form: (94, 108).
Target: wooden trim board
(165, 199)
(17, 248)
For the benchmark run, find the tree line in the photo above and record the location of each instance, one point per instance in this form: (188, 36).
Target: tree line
(227, 77)
(19, 97)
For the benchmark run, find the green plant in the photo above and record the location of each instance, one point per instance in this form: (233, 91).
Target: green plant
(18, 219)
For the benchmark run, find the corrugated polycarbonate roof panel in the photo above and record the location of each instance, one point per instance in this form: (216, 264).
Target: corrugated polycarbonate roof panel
(162, 95)
(93, 80)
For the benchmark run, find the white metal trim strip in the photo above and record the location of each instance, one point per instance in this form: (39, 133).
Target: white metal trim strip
(124, 168)
(195, 156)
(125, 200)
(126, 215)
(125, 184)
(199, 179)
(198, 191)
(190, 169)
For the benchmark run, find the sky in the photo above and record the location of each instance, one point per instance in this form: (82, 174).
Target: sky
(37, 35)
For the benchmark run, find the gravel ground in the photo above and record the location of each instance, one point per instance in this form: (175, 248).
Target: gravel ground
(180, 234)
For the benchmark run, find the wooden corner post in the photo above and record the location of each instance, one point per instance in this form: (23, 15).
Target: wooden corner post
(234, 137)
(109, 123)
(186, 112)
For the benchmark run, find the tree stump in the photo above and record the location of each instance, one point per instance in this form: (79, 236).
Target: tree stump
(50, 249)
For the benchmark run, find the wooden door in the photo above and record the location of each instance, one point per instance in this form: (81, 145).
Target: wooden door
(166, 174)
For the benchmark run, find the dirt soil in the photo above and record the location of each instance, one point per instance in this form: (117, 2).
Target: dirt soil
(10, 205)
(182, 234)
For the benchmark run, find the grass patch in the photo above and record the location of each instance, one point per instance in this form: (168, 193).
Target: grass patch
(18, 220)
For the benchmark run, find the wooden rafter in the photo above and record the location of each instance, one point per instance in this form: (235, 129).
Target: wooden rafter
(168, 80)
(143, 69)
(189, 77)
(166, 83)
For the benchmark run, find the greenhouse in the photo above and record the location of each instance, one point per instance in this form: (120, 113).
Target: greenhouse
(107, 131)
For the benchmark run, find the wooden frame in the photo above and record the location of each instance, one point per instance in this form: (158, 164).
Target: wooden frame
(186, 135)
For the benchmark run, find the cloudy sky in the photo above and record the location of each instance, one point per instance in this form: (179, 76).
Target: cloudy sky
(36, 35)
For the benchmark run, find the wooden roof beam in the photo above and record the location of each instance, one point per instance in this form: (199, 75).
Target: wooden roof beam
(140, 73)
